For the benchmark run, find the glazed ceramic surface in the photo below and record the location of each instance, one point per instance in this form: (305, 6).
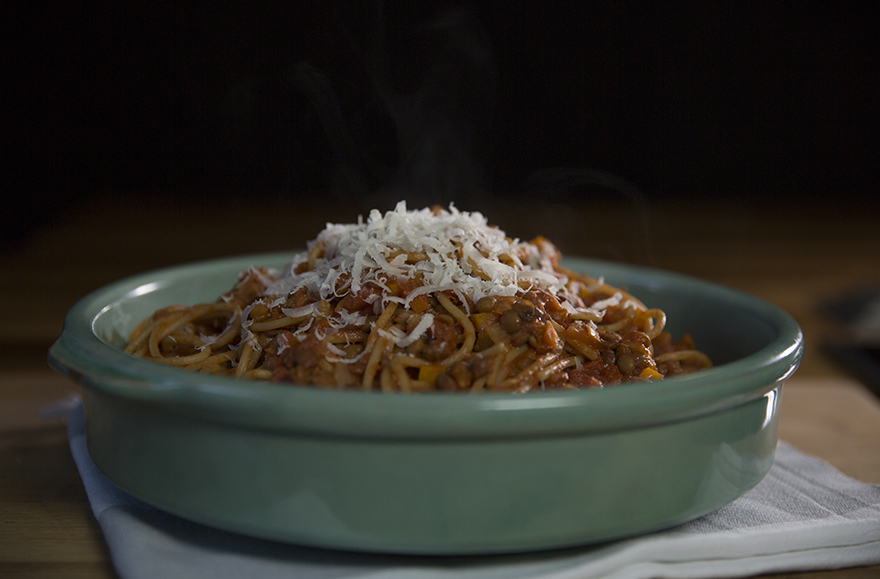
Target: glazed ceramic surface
(433, 473)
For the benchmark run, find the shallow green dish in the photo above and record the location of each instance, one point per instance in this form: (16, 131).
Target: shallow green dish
(433, 473)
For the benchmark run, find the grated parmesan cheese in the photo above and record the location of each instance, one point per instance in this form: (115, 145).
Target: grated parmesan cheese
(445, 249)
(459, 251)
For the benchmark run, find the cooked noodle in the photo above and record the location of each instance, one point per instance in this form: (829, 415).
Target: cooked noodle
(418, 301)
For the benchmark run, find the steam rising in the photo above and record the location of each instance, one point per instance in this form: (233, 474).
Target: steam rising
(420, 129)
(434, 85)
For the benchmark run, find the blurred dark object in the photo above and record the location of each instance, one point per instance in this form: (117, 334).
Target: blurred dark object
(855, 344)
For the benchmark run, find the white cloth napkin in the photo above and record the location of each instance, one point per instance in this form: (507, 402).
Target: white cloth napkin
(804, 515)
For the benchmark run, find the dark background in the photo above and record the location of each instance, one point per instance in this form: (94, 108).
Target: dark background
(364, 102)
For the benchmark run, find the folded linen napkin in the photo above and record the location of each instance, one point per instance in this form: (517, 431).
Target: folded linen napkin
(804, 515)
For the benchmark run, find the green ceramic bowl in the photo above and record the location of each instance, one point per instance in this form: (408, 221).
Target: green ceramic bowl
(433, 473)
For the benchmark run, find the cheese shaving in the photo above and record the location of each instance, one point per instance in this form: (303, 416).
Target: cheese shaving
(305, 310)
(402, 340)
(602, 305)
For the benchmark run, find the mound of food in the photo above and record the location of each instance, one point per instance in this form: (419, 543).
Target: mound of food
(421, 300)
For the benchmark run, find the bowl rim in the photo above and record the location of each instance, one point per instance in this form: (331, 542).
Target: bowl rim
(82, 356)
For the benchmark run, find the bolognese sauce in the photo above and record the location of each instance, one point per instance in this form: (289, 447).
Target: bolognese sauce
(421, 300)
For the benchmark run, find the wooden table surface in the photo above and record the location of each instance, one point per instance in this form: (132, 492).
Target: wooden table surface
(791, 255)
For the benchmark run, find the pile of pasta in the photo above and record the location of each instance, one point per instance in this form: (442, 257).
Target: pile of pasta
(421, 300)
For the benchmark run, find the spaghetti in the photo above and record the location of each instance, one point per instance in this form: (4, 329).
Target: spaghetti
(421, 300)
